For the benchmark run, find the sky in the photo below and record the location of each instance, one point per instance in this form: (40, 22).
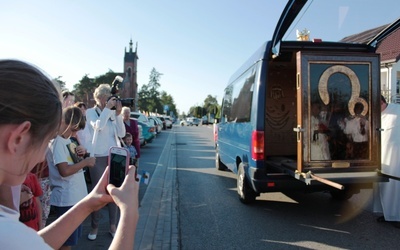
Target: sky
(196, 44)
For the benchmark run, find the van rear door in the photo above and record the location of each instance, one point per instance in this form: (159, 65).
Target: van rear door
(338, 87)
(338, 112)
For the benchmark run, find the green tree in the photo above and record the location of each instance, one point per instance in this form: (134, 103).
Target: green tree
(149, 95)
(210, 104)
(84, 89)
(196, 111)
(168, 100)
(60, 82)
(154, 81)
(106, 78)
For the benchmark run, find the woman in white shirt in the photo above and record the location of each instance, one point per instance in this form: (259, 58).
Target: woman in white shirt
(30, 114)
(106, 126)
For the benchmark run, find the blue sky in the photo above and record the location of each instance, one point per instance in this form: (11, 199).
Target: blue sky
(196, 45)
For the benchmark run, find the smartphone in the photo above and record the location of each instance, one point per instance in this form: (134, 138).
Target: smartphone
(118, 160)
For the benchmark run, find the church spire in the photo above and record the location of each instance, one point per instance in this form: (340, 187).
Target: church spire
(130, 46)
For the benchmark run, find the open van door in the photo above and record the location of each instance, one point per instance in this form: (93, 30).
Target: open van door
(338, 94)
(292, 9)
(338, 102)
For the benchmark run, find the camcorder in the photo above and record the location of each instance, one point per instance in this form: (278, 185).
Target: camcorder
(127, 102)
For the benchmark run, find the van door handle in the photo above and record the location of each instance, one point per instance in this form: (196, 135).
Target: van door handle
(298, 131)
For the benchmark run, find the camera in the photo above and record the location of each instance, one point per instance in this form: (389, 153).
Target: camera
(127, 102)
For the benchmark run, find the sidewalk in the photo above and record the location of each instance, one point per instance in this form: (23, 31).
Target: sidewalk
(158, 223)
(158, 216)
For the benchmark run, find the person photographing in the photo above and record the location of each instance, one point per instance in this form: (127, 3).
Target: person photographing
(105, 125)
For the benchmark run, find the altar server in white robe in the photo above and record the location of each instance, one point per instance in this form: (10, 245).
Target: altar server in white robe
(387, 194)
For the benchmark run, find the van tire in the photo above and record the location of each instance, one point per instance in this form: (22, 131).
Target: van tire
(246, 194)
(218, 163)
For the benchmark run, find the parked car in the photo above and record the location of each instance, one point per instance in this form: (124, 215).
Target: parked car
(192, 121)
(148, 129)
(157, 123)
(168, 122)
(204, 120)
(141, 138)
(163, 121)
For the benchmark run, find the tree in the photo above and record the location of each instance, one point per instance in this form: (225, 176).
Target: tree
(197, 111)
(106, 78)
(168, 100)
(84, 89)
(60, 82)
(154, 81)
(210, 104)
(149, 96)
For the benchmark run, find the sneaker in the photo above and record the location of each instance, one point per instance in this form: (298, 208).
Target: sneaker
(92, 236)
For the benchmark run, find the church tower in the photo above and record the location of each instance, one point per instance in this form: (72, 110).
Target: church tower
(130, 75)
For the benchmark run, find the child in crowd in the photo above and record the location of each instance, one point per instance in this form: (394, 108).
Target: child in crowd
(66, 175)
(128, 139)
(41, 170)
(30, 208)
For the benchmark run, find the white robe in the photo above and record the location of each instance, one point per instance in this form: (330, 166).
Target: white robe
(387, 194)
(320, 147)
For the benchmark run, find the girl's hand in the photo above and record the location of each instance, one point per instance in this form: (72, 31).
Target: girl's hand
(126, 196)
(80, 151)
(99, 197)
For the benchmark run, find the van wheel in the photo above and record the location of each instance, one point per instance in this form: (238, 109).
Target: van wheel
(218, 163)
(342, 195)
(246, 194)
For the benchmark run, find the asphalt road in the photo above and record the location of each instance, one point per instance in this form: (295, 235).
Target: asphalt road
(212, 217)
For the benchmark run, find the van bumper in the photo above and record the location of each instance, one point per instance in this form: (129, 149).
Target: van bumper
(272, 182)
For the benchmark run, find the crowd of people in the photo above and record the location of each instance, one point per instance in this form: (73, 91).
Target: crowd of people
(47, 143)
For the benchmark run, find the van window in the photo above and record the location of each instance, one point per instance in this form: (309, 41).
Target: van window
(227, 104)
(238, 98)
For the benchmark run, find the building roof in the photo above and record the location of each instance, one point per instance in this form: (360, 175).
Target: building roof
(365, 36)
(389, 48)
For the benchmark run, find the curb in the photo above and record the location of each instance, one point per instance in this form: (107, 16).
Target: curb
(157, 227)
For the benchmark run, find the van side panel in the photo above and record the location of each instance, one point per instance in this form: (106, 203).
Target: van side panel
(235, 130)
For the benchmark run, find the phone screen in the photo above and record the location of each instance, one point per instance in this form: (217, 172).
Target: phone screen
(117, 169)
